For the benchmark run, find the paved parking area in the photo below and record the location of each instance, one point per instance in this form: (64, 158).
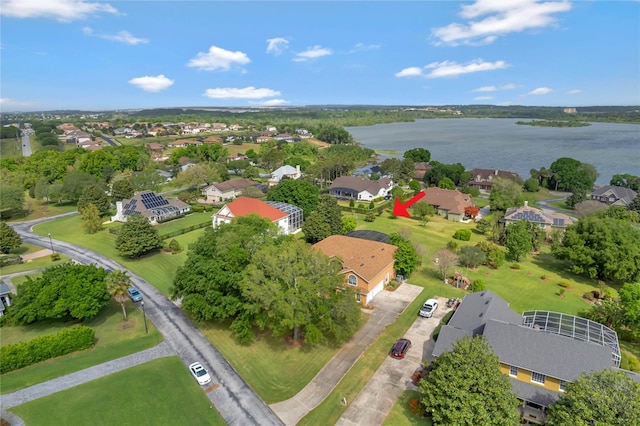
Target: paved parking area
(375, 401)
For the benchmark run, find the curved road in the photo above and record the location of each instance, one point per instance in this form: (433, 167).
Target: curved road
(233, 398)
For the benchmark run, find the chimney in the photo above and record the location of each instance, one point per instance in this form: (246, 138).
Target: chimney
(496, 172)
(298, 169)
(526, 203)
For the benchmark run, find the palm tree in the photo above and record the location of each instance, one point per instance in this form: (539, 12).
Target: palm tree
(117, 285)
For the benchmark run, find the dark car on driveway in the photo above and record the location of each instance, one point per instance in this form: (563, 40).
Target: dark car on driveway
(134, 294)
(400, 348)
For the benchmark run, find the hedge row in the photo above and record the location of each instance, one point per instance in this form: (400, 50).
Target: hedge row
(185, 230)
(23, 354)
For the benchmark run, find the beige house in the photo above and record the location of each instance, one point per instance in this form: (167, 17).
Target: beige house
(366, 265)
(225, 191)
(448, 203)
(546, 219)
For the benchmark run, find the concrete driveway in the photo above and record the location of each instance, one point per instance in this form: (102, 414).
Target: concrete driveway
(375, 401)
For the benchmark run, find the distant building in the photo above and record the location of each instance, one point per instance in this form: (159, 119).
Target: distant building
(483, 178)
(545, 219)
(614, 195)
(360, 188)
(284, 172)
(570, 111)
(448, 203)
(287, 217)
(227, 190)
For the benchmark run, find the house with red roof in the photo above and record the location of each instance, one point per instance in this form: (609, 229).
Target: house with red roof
(287, 217)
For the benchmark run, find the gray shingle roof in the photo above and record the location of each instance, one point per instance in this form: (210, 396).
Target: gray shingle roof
(619, 192)
(478, 308)
(546, 353)
(534, 393)
(359, 184)
(447, 337)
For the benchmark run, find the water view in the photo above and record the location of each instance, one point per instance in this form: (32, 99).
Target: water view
(499, 143)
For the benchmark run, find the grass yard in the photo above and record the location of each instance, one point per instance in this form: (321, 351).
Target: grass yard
(158, 268)
(241, 149)
(401, 414)
(330, 410)
(524, 289)
(275, 369)
(39, 263)
(160, 392)
(10, 147)
(114, 339)
(35, 209)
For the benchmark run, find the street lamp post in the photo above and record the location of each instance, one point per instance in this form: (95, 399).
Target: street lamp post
(146, 330)
(51, 242)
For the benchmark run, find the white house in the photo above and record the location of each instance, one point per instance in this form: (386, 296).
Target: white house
(360, 188)
(287, 217)
(284, 172)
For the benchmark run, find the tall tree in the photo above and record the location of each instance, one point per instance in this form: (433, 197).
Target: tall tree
(330, 212)
(407, 260)
(518, 239)
(349, 224)
(11, 199)
(118, 283)
(601, 247)
(471, 256)
(298, 192)
(572, 175)
(74, 183)
(465, 387)
(91, 220)
(200, 174)
(419, 155)
(9, 238)
(627, 180)
(95, 195)
(137, 236)
(292, 289)
(423, 210)
(505, 193)
(315, 228)
(445, 260)
(606, 397)
(121, 189)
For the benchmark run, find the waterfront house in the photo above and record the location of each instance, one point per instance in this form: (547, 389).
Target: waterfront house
(360, 188)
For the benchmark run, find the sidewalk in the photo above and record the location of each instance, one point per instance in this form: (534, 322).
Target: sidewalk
(388, 306)
(83, 376)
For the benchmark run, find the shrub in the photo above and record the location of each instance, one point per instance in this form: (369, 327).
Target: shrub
(10, 259)
(515, 266)
(477, 285)
(462, 235)
(55, 256)
(197, 208)
(563, 284)
(370, 216)
(452, 245)
(23, 354)
(561, 292)
(543, 277)
(588, 295)
(352, 203)
(595, 294)
(174, 246)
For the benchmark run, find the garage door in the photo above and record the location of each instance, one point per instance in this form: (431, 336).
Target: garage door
(377, 289)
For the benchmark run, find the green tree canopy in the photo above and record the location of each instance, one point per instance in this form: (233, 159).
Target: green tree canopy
(446, 183)
(292, 289)
(315, 228)
(118, 283)
(9, 238)
(505, 193)
(95, 195)
(407, 260)
(349, 224)
(418, 155)
(137, 236)
(11, 200)
(298, 192)
(471, 256)
(121, 189)
(606, 398)
(571, 175)
(91, 220)
(200, 174)
(465, 387)
(518, 239)
(74, 184)
(602, 247)
(64, 291)
(627, 180)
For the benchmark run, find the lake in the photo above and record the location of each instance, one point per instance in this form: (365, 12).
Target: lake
(499, 143)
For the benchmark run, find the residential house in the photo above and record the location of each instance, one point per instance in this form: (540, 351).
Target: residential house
(153, 206)
(483, 178)
(304, 133)
(287, 217)
(546, 219)
(219, 127)
(367, 265)
(155, 147)
(236, 127)
(421, 168)
(183, 143)
(614, 195)
(360, 188)
(448, 203)
(263, 138)
(539, 351)
(284, 172)
(225, 191)
(286, 137)
(213, 139)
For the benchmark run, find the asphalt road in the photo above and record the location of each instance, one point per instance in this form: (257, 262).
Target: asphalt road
(233, 398)
(26, 145)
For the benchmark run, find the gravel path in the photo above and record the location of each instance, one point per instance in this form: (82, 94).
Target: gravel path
(83, 376)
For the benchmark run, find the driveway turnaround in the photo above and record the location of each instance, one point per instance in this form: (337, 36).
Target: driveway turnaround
(233, 398)
(388, 305)
(374, 402)
(83, 376)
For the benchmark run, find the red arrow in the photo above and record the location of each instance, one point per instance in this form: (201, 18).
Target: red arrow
(400, 209)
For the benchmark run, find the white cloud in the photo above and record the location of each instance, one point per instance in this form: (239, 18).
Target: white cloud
(122, 36)
(60, 10)
(150, 83)
(483, 98)
(277, 45)
(509, 86)
(498, 18)
(11, 103)
(409, 72)
(486, 89)
(361, 47)
(541, 91)
(244, 93)
(453, 69)
(271, 102)
(312, 53)
(574, 92)
(218, 58)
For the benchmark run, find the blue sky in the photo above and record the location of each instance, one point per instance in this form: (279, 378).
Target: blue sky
(71, 54)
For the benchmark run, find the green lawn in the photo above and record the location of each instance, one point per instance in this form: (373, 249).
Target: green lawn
(158, 268)
(41, 262)
(114, 338)
(160, 392)
(273, 367)
(401, 414)
(10, 147)
(35, 209)
(524, 289)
